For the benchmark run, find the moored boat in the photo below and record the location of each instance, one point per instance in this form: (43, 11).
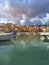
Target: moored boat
(44, 36)
(6, 36)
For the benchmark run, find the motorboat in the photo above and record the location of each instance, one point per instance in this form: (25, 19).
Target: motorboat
(44, 35)
(7, 36)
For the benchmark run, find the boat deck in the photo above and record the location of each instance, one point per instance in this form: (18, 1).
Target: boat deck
(5, 33)
(43, 33)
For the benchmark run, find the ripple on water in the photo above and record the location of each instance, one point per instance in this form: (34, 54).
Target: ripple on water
(24, 51)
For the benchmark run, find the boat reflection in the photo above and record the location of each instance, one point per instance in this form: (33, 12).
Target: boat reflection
(24, 42)
(29, 41)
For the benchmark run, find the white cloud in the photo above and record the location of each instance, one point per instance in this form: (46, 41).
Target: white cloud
(22, 21)
(2, 20)
(6, 7)
(46, 19)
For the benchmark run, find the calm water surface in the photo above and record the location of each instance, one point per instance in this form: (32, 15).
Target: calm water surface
(24, 50)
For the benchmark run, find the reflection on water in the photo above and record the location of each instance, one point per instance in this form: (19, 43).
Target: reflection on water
(27, 37)
(24, 50)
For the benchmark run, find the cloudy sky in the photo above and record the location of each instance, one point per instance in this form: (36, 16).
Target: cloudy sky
(31, 8)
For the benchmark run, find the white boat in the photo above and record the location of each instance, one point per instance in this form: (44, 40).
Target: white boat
(44, 35)
(6, 36)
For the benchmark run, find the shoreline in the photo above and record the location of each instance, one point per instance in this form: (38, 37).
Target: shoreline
(32, 33)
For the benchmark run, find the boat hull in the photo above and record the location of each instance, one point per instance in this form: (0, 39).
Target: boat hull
(43, 33)
(44, 36)
(7, 36)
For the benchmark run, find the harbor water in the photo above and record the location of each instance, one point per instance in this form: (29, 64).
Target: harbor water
(24, 50)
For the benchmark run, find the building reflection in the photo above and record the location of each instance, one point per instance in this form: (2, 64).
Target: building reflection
(26, 37)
